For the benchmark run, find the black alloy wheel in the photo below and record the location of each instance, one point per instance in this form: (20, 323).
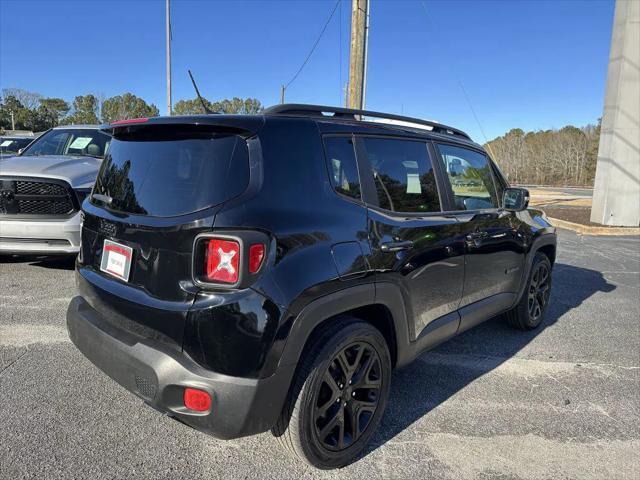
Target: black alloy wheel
(348, 396)
(338, 396)
(530, 309)
(539, 291)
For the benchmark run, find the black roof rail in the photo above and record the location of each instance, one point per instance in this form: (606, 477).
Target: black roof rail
(340, 112)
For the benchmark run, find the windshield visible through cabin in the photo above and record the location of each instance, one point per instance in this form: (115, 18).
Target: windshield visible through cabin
(72, 141)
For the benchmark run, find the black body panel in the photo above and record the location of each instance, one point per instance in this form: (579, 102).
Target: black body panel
(430, 273)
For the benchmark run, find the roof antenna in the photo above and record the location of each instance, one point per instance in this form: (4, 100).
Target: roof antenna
(204, 105)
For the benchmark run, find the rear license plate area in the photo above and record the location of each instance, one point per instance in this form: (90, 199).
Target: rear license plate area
(116, 260)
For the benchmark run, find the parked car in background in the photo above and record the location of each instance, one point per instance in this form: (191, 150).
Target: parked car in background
(11, 145)
(42, 188)
(251, 272)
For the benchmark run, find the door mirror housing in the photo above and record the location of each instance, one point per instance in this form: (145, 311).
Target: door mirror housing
(515, 199)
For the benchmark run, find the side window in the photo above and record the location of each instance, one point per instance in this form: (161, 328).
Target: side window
(341, 162)
(471, 179)
(403, 175)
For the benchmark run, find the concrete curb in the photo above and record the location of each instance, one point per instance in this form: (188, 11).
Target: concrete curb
(589, 230)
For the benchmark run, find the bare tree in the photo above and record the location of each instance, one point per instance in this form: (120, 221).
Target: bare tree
(548, 157)
(29, 100)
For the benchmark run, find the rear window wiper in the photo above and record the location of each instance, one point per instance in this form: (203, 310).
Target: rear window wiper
(106, 199)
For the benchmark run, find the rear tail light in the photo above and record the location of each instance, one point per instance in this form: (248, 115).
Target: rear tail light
(223, 261)
(256, 255)
(197, 400)
(231, 259)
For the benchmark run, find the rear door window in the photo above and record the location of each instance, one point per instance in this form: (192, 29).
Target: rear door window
(470, 176)
(403, 175)
(341, 162)
(172, 173)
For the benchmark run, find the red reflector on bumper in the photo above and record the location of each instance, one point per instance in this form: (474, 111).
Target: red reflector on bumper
(197, 400)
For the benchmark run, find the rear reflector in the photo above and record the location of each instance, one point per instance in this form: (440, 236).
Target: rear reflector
(256, 255)
(222, 260)
(197, 400)
(129, 121)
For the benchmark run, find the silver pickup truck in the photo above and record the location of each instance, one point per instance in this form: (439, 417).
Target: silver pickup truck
(42, 189)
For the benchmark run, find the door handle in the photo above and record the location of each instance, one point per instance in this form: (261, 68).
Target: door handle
(396, 246)
(477, 235)
(474, 239)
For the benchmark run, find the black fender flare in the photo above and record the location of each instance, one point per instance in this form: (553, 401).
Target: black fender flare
(537, 243)
(320, 310)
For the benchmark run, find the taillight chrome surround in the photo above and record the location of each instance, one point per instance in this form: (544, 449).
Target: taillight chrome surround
(245, 239)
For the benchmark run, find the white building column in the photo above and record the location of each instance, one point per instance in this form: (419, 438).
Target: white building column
(616, 195)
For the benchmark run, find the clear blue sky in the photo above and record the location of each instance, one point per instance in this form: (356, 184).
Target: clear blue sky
(528, 64)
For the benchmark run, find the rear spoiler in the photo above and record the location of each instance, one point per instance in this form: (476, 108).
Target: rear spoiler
(244, 125)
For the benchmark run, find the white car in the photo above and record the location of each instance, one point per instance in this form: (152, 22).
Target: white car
(42, 189)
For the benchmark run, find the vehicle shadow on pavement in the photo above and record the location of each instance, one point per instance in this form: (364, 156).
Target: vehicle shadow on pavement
(61, 262)
(439, 374)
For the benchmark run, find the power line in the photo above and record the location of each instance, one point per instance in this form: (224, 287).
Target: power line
(473, 112)
(335, 7)
(464, 91)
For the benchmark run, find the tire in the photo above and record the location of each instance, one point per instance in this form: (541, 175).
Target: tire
(307, 426)
(529, 313)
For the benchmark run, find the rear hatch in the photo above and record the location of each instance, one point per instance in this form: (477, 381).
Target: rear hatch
(159, 186)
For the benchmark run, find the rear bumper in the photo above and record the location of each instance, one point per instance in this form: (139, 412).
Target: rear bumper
(158, 375)
(40, 236)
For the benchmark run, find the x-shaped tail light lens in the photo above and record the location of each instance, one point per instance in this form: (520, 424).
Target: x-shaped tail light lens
(223, 260)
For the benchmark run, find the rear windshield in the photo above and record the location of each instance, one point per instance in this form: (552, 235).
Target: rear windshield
(172, 174)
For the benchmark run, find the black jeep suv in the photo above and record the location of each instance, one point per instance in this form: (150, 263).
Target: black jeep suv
(246, 273)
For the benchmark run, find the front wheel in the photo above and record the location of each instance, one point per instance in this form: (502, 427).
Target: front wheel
(339, 395)
(529, 312)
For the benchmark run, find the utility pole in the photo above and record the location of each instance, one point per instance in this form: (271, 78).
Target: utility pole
(358, 52)
(13, 123)
(282, 94)
(366, 56)
(168, 33)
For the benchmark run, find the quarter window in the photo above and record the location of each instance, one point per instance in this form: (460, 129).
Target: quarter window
(403, 175)
(343, 170)
(469, 174)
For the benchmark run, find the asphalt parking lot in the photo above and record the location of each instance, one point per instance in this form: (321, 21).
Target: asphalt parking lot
(560, 402)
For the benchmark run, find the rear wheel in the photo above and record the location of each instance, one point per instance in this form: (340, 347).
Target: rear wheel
(339, 395)
(529, 312)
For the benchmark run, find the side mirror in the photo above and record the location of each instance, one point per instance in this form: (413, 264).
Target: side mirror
(515, 199)
(20, 151)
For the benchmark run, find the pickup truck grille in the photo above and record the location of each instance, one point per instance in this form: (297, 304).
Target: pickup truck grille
(35, 197)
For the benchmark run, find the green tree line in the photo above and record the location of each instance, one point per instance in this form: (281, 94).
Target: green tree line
(548, 157)
(32, 111)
